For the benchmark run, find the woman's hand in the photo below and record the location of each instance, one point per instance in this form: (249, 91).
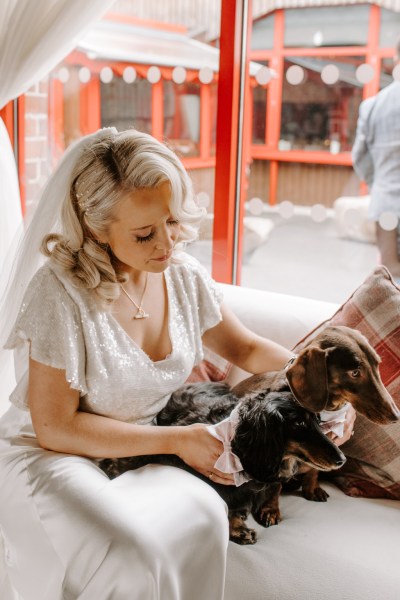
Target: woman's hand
(348, 428)
(200, 450)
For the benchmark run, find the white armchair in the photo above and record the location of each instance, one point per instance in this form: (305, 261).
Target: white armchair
(346, 548)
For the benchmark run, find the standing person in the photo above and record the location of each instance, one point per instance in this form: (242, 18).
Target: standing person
(376, 160)
(108, 328)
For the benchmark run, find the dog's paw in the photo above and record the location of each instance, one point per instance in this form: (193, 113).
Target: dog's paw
(243, 536)
(315, 494)
(267, 516)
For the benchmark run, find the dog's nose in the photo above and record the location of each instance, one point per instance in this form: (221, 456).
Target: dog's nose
(340, 460)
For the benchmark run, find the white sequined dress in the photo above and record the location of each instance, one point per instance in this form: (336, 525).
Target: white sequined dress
(70, 532)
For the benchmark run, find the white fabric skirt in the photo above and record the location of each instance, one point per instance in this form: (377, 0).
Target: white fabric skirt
(71, 533)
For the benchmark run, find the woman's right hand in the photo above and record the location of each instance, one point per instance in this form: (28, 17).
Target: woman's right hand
(200, 450)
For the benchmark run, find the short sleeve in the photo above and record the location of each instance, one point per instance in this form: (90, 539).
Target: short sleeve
(48, 329)
(206, 295)
(195, 302)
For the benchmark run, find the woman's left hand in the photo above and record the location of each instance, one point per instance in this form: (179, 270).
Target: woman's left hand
(348, 428)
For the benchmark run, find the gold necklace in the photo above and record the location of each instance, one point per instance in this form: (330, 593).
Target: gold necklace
(141, 313)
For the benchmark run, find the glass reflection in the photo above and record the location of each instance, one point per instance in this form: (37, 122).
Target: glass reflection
(125, 105)
(327, 26)
(182, 117)
(317, 116)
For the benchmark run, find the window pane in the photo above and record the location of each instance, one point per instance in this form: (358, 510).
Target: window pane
(317, 115)
(259, 180)
(125, 105)
(386, 78)
(327, 26)
(262, 36)
(120, 75)
(182, 117)
(304, 257)
(390, 28)
(213, 117)
(259, 116)
(71, 104)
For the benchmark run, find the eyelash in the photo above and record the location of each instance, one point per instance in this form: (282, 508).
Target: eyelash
(148, 238)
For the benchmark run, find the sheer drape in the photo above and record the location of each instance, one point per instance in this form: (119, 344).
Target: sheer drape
(34, 36)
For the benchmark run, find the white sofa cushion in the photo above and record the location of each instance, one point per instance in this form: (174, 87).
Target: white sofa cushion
(342, 549)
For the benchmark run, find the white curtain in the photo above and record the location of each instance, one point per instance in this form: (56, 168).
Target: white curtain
(35, 35)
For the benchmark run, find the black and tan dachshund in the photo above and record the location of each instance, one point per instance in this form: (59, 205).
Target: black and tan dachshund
(274, 435)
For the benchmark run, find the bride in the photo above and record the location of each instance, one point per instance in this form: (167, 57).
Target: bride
(102, 333)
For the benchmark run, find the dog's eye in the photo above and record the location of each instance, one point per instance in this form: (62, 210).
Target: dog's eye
(355, 373)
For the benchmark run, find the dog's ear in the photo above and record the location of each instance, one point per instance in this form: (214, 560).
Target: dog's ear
(308, 378)
(260, 438)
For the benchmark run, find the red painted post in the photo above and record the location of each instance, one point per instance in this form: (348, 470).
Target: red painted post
(205, 120)
(231, 140)
(56, 120)
(7, 114)
(157, 109)
(275, 102)
(90, 106)
(372, 55)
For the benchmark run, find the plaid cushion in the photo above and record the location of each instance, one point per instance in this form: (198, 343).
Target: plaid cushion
(372, 468)
(212, 368)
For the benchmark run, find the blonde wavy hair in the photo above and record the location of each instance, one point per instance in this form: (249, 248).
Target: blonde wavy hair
(109, 167)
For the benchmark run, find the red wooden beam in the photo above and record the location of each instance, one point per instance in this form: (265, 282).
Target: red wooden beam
(56, 119)
(372, 55)
(157, 110)
(90, 106)
(319, 51)
(205, 121)
(7, 114)
(301, 156)
(274, 101)
(230, 159)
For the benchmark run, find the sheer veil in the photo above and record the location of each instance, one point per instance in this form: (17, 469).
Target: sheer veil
(24, 258)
